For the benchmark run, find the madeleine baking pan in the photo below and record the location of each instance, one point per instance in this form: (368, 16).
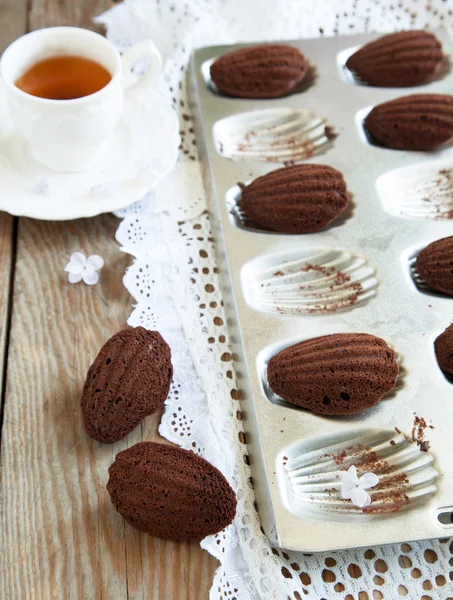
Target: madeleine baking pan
(356, 276)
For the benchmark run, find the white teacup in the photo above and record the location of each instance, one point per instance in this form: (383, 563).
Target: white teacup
(71, 135)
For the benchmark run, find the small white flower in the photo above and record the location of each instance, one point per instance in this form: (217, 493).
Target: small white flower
(353, 488)
(80, 267)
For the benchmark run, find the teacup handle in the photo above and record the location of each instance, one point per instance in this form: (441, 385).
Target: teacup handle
(145, 50)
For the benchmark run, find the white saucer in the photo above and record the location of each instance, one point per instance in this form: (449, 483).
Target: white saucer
(142, 150)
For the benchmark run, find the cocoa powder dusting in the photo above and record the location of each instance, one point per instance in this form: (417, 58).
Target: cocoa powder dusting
(321, 268)
(340, 280)
(338, 457)
(248, 136)
(389, 496)
(440, 198)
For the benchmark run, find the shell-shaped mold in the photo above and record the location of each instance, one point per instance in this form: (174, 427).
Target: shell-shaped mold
(308, 473)
(262, 71)
(338, 374)
(415, 122)
(312, 281)
(279, 135)
(432, 268)
(402, 59)
(422, 191)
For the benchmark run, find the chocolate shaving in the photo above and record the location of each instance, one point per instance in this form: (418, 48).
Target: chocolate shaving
(418, 433)
(330, 132)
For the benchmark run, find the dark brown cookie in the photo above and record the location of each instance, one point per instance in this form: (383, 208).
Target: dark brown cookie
(400, 59)
(336, 374)
(435, 265)
(444, 350)
(169, 492)
(129, 380)
(264, 71)
(300, 199)
(417, 122)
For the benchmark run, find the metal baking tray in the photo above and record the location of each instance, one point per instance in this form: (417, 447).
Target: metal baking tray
(291, 450)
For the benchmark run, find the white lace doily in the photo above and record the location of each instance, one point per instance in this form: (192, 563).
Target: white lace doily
(175, 285)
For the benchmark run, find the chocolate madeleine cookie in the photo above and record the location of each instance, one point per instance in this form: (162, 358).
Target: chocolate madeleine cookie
(435, 265)
(300, 199)
(417, 122)
(336, 374)
(444, 350)
(400, 59)
(264, 71)
(129, 380)
(169, 492)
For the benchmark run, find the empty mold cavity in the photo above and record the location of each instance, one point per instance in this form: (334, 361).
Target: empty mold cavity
(304, 85)
(281, 135)
(266, 354)
(310, 281)
(422, 191)
(308, 474)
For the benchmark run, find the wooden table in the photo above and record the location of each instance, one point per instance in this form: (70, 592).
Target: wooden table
(60, 537)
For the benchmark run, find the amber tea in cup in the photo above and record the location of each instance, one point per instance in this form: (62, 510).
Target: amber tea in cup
(65, 90)
(64, 77)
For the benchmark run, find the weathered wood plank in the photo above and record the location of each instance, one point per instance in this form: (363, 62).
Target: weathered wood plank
(7, 250)
(13, 23)
(79, 13)
(61, 536)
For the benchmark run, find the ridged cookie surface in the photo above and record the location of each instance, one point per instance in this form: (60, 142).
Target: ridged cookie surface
(435, 265)
(299, 199)
(169, 492)
(416, 122)
(129, 380)
(400, 59)
(337, 374)
(263, 71)
(444, 350)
